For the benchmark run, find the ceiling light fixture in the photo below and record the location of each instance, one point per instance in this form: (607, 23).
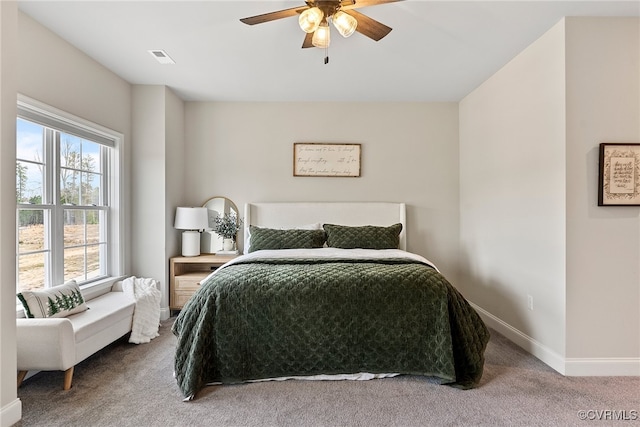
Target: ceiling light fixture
(314, 19)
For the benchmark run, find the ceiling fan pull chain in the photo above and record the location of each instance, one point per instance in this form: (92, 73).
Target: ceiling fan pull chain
(326, 55)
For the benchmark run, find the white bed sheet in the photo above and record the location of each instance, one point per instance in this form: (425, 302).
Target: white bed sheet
(333, 253)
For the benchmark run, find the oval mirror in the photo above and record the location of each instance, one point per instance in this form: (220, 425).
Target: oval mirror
(210, 241)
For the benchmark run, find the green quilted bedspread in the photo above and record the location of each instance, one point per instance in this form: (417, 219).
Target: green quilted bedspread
(291, 317)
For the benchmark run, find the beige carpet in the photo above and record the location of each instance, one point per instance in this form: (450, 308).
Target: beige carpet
(132, 385)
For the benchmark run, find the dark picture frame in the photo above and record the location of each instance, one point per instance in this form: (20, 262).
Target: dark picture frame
(619, 174)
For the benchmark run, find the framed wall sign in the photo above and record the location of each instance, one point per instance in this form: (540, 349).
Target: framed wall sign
(619, 175)
(318, 159)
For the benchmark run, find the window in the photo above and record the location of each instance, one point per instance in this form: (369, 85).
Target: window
(67, 192)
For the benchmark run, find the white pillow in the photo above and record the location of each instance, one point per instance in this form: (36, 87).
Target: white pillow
(59, 301)
(247, 243)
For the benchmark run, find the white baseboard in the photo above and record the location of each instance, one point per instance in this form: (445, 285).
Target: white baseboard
(165, 313)
(545, 354)
(11, 413)
(603, 367)
(574, 367)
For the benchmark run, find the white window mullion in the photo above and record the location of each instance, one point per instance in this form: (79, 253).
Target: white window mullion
(57, 252)
(106, 200)
(49, 198)
(49, 241)
(57, 220)
(49, 182)
(104, 171)
(107, 268)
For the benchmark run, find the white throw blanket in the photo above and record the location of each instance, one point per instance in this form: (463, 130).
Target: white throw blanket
(146, 316)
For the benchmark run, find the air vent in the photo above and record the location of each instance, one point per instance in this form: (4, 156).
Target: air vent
(161, 56)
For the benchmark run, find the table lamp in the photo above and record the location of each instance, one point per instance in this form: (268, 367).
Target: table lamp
(192, 220)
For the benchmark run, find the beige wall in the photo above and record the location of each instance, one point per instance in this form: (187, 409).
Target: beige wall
(157, 182)
(512, 163)
(10, 405)
(409, 154)
(603, 243)
(530, 224)
(175, 167)
(56, 73)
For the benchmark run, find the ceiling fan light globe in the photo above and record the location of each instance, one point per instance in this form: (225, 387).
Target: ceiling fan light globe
(344, 23)
(310, 19)
(322, 37)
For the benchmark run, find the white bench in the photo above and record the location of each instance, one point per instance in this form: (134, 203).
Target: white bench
(49, 344)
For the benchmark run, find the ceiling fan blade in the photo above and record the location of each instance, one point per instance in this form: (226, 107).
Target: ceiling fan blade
(307, 41)
(364, 3)
(369, 27)
(272, 16)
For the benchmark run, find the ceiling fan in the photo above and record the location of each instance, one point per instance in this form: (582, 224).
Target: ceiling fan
(314, 20)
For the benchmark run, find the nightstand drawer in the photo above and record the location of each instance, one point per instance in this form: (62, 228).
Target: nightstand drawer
(181, 297)
(189, 281)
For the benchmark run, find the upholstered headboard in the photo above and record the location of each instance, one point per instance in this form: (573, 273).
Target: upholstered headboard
(296, 214)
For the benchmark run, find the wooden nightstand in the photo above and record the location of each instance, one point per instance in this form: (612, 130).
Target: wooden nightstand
(185, 274)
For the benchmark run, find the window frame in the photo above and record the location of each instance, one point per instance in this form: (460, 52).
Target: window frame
(113, 189)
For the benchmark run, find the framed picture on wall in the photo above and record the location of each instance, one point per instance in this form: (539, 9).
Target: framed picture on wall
(319, 159)
(619, 175)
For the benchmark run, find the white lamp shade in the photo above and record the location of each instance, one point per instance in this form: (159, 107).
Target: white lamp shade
(191, 219)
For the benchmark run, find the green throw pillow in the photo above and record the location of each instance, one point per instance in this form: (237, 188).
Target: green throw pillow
(59, 301)
(270, 238)
(363, 237)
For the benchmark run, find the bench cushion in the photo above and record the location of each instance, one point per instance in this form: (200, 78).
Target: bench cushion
(103, 312)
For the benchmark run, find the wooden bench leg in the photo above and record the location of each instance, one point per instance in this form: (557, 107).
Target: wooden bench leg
(21, 375)
(68, 376)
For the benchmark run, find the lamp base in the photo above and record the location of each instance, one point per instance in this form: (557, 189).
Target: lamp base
(190, 243)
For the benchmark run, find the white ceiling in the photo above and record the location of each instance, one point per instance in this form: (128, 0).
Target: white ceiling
(437, 51)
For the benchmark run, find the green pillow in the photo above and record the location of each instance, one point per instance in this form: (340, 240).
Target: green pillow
(59, 301)
(363, 237)
(270, 238)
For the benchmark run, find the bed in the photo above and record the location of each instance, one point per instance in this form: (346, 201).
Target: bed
(326, 289)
